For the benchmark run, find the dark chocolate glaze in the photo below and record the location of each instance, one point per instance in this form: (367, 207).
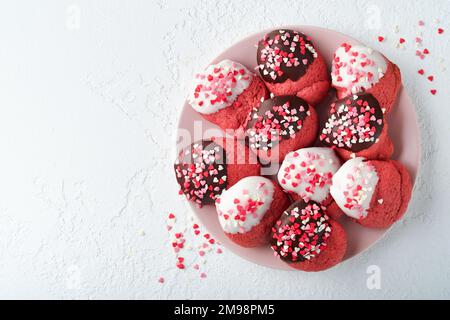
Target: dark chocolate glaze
(354, 123)
(284, 54)
(200, 170)
(275, 119)
(304, 228)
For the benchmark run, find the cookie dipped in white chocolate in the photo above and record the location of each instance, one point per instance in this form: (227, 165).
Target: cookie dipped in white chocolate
(353, 186)
(219, 86)
(356, 68)
(242, 206)
(307, 173)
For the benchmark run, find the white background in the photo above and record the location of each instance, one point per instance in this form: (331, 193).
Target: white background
(90, 93)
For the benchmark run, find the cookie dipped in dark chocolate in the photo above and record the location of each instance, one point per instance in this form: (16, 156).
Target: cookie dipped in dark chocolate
(354, 123)
(277, 118)
(301, 233)
(201, 171)
(284, 54)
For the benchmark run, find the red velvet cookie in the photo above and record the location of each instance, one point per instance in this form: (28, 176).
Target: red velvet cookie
(248, 210)
(307, 239)
(207, 167)
(225, 93)
(357, 127)
(306, 174)
(289, 64)
(361, 69)
(374, 193)
(279, 125)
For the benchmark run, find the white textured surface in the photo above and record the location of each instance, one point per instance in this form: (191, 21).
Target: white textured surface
(88, 110)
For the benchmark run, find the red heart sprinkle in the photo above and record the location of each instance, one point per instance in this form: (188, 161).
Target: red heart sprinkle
(440, 30)
(433, 91)
(431, 78)
(421, 72)
(402, 40)
(171, 216)
(380, 38)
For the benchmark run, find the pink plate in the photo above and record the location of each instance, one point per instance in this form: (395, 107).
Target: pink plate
(403, 130)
